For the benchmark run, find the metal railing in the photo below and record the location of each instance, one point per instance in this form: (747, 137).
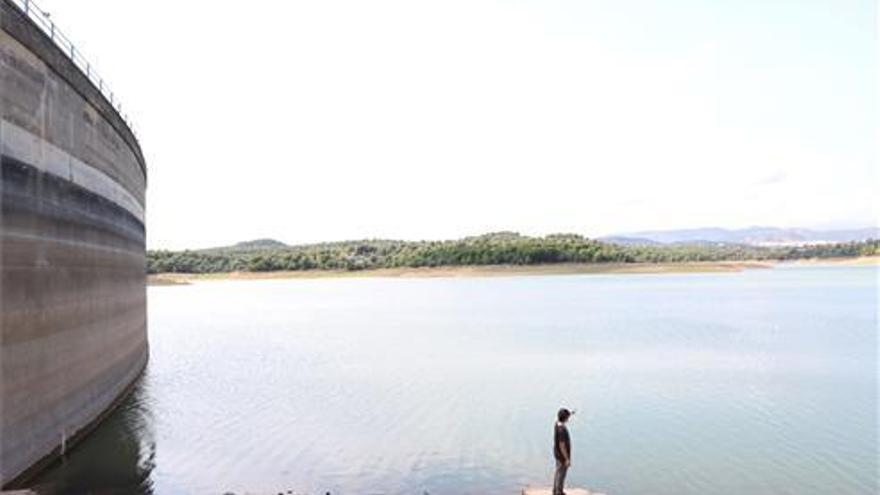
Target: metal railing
(43, 20)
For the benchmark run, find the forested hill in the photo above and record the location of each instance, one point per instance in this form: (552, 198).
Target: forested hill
(502, 248)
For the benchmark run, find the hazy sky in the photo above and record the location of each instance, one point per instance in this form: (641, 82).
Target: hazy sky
(329, 120)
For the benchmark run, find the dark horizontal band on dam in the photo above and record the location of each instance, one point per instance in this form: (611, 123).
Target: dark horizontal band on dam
(66, 209)
(72, 285)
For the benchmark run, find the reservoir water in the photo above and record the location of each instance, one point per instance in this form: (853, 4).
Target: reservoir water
(757, 382)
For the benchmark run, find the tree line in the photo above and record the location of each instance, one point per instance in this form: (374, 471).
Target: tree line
(502, 248)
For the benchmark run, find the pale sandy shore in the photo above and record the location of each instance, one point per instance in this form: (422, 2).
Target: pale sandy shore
(465, 271)
(861, 260)
(505, 270)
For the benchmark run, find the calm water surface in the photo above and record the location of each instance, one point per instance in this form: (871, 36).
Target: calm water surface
(760, 382)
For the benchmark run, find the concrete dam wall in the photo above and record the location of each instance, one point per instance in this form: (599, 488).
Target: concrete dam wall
(72, 285)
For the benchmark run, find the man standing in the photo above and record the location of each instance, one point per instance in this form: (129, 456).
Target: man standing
(561, 450)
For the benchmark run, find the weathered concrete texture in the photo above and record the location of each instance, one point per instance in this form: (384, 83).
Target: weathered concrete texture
(72, 285)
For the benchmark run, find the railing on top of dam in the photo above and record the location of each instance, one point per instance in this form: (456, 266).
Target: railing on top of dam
(44, 21)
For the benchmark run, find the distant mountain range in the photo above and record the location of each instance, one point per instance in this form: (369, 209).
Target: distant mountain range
(752, 236)
(755, 236)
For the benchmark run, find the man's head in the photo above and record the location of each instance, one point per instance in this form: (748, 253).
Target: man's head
(563, 415)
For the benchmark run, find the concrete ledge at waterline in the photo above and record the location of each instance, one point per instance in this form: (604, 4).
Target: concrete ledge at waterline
(549, 491)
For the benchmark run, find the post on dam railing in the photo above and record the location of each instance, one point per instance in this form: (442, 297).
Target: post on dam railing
(43, 20)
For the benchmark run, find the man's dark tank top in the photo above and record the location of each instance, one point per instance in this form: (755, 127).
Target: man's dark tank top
(560, 435)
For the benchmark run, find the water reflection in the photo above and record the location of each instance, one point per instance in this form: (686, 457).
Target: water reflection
(124, 443)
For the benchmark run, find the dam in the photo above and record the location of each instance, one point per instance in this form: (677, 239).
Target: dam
(73, 334)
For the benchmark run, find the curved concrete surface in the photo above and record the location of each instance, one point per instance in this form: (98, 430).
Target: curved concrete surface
(72, 292)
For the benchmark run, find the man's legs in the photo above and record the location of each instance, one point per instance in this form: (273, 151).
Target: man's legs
(559, 478)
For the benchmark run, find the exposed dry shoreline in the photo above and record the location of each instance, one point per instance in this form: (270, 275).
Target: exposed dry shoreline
(506, 270)
(861, 260)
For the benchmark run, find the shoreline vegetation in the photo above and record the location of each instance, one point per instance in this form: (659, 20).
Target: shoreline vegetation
(498, 254)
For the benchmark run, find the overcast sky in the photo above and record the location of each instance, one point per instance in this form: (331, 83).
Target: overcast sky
(329, 120)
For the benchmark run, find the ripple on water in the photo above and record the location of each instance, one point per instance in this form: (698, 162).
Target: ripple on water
(755, 383)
